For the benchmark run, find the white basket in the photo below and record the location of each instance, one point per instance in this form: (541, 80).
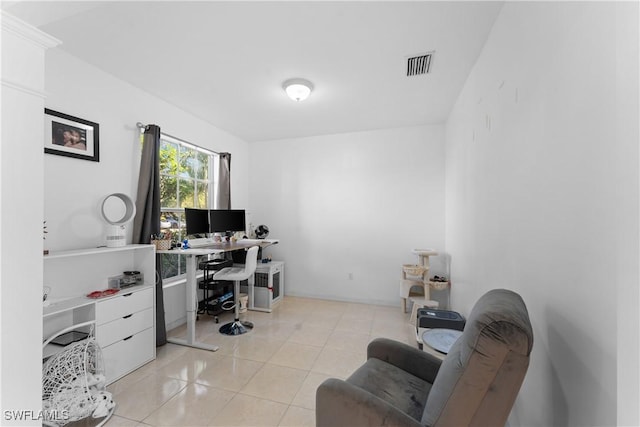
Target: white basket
(413, 270)
(162, 245)
(438, 286)
(73, 385)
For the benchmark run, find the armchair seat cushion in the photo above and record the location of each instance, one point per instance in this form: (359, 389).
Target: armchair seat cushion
(395, 386)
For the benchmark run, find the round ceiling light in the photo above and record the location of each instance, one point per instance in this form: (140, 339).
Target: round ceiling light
(298, 89)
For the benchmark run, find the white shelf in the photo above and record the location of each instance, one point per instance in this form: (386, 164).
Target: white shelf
(66, 305)
(81, 301)
(51, 350)
(77, 273)
(93, 251)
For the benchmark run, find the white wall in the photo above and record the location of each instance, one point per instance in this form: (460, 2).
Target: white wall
(354, 203)
(21, 193)
(74, 188)
(542, 198)
(627, 177)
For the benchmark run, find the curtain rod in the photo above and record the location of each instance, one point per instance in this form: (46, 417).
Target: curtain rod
(142, 127)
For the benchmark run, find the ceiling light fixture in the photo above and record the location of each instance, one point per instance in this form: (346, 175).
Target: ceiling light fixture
(298, 89)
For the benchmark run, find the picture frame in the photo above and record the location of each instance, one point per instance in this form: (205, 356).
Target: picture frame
(71, 136)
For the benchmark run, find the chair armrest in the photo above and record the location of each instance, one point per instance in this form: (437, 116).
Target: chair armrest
(417, 362)
(339, 403)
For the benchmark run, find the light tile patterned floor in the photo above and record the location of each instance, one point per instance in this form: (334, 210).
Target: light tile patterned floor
(267, 377)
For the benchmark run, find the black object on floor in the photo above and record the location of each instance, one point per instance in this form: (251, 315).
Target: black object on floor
(236, 328)
(443, 319)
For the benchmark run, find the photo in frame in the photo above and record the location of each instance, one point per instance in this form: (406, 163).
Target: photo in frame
(69, 136)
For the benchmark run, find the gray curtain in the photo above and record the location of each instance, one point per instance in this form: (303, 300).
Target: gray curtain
(223, 200)
(147, 219)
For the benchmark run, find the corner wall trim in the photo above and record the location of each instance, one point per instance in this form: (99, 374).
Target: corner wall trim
(24, 89)
(26, 31)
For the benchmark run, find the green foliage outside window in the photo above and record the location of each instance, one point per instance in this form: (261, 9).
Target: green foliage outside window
(184, 183)
(184, 175)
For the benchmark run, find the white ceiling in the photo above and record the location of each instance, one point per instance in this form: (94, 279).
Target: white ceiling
(225, 61)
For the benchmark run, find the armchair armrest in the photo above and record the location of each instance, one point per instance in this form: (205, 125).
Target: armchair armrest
(339, 403)
(417, 362)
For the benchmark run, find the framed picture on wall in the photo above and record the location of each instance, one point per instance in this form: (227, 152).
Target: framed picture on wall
(69, 136)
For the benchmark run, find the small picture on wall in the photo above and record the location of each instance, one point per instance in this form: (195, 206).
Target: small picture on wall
(70, 136)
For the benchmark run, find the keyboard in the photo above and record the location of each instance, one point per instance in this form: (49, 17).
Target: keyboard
(206, 242)
(200, 243)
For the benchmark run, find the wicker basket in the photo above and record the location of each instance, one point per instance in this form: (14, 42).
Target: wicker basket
(438, 286)
(162, 245)
(413, 270)
(73, 383)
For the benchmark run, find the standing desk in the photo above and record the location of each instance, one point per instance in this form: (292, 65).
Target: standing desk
(192, 283)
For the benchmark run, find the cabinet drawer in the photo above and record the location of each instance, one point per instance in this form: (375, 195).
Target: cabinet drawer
(121, 328)
(123, 305)
(124, 356)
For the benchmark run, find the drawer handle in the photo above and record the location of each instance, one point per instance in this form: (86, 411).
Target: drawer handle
(128, 338)
(128, 295)
(127, 316)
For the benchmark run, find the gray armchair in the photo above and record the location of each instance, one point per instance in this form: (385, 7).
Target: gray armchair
(476, 384)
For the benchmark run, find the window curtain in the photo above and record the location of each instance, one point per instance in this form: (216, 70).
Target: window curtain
(223, 200)
(147, 219)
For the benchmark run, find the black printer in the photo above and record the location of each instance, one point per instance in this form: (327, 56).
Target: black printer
(442, 319)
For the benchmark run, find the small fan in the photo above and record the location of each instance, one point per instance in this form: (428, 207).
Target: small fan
(117, 209)
(262, 231)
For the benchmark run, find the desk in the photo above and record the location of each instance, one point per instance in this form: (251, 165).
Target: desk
(192, 283)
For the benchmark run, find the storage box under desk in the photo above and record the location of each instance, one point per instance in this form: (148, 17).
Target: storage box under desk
(268, 288)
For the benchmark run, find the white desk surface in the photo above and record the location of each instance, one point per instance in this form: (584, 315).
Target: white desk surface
(219, 247)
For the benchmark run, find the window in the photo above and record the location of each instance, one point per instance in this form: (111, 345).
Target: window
(186, 181)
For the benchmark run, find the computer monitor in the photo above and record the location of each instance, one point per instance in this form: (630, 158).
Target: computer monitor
(197, 221)
(226, 220)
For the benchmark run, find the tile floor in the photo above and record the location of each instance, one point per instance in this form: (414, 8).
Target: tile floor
(267, 377)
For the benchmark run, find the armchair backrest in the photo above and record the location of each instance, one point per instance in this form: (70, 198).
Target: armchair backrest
(479, 379)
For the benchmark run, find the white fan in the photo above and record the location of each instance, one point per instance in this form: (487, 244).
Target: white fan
(117, 209)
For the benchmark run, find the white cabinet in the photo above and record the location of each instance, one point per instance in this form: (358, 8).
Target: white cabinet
(124, 322)
(124, 330)
(268, 286)
(129, 354)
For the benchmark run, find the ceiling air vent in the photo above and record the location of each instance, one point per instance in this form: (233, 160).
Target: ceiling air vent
(418, 65)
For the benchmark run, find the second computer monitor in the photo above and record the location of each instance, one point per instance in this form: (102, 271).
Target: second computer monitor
(197, 221)
(226, 220)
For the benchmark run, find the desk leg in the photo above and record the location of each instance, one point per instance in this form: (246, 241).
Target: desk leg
(191, 305)
(194, 344)
(191, 286)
